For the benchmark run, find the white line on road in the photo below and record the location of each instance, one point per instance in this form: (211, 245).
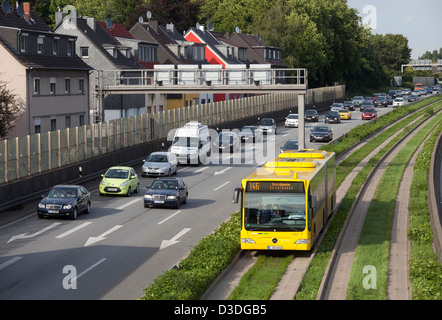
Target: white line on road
(91, 267)
(102, 236)
(221, 186)
(9, 262)
(128, 204)
(201, 169)
(171, 216)
(26, 236)
(81, 226)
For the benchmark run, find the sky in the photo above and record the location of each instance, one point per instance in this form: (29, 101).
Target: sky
(420, 21)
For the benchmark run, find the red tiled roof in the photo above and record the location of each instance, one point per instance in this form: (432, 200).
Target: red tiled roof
(116, 30)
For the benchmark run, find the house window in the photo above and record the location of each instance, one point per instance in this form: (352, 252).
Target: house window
(81, 120)
(24, 42)
(37, 125)
(115, 52)
(81, 85)
(36, 85)
(56, 46)
(53, 124)
(67, 120)
(84, 51)
(52, 85)
(67, 85)
(40, 44)
(71, 47)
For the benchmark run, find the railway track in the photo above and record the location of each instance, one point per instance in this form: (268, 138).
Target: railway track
(334, 282)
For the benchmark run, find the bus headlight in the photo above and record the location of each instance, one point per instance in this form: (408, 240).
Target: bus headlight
(247, 240)
(303, 241)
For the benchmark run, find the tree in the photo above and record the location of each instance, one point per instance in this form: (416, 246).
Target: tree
(10, 109)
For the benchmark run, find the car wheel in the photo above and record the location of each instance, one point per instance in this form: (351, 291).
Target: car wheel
(185, 199)
(177, 205)
(138, 188)
(40, 216)
(128, 192)
(74, 214)
(169, 173)
(88, 208)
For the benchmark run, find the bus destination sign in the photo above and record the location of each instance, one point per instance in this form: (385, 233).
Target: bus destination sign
(274, 186)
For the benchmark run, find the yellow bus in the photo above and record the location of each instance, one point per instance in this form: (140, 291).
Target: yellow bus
(286, 203)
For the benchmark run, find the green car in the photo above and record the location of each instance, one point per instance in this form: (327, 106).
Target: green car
(119, 181)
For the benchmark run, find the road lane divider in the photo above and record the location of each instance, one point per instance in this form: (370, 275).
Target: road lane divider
(224, 184)
(27, 236)
(128, 204)
(169, 217)
(9, 262)
(81, 226)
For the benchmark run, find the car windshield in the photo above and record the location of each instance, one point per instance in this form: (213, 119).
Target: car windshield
(117, 174)
(62, 193)
(320, 129)
(226, 136)
(266, 122)
(164, 184)
(157, 158)
(370, 110)
(343, 111)
(310, 112)
(245, 129)
(185, 142)
(274, 211)
(332, 114)
(291, 145)
(292, 116)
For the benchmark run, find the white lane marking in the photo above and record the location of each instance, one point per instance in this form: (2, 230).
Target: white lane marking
(201, 169)
(221, 186)
(167, 243)
(9, 262)
(91, 267)
(81, 226)
(128, 204)
(169, 217)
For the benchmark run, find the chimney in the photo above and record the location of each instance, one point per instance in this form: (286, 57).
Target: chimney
(91, 22)
(58, 17)
(27, 10)
(154, 25)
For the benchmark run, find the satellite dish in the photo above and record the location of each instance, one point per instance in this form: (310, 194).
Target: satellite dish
(149, 14)
(209, 26)
(20, 11)
(140, 19)
(108, 23)
(236, 29)
(6, 6)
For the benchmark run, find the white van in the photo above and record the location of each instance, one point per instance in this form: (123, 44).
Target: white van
(191, 143)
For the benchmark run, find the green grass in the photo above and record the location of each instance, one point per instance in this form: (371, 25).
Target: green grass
(262, 278)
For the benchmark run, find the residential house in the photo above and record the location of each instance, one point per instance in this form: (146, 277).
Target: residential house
(145, 53)
(175, 55)
(219, 53)
(43, 71)
(104, 54)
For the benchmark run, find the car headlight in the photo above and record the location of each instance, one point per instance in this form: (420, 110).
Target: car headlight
(147, 197)
(68, 206)
(171, 197)
(41, 206)
(124, 183)
(102, 183)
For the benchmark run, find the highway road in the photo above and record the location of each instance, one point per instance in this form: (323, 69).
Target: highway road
(120, 247)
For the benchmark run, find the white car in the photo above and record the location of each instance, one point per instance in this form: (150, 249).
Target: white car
(398, 102)
(291, 120)
(336, 106)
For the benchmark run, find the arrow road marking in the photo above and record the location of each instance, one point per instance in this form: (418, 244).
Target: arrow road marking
(26, 236)
(167, 243)
(222, 171)
(102, 236)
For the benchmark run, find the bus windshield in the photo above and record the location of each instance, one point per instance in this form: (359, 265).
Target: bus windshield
(274, 211)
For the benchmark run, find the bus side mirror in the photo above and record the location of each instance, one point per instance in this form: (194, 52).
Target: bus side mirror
(236, 193)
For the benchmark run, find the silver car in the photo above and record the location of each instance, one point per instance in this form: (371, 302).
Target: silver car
(160, 163)
(267, 126)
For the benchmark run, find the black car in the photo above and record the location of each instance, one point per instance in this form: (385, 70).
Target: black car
(65, 201)
(381, 101)
(248, 133)
(166, 192)
(332, 116)
(290, 145)
(311, 115)
(321, 133)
